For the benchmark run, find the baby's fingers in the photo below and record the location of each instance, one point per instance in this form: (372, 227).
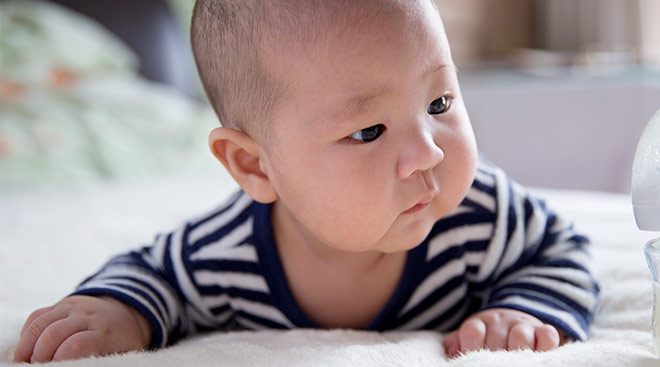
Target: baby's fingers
(32, 330)
(83, 344)
(54, 336)
(547, 338)
(33, 317)
(451, 343)
(521, 336)
(472, 335)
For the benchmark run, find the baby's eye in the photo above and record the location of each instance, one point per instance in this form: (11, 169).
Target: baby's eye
(440, 105)
(369, 134)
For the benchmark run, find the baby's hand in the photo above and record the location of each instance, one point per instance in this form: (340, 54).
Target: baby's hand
(501, 328)
(81, 326)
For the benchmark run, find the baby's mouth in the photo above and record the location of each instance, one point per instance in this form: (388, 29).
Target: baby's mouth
(416, 208)
(423, 203)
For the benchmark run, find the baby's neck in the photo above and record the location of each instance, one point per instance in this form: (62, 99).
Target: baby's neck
(291, 238)
(334, 288)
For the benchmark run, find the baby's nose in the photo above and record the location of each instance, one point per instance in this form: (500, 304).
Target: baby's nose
(420, 153)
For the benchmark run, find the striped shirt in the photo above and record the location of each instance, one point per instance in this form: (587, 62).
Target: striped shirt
(500, 248)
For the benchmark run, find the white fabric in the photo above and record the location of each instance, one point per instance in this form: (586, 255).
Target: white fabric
(51, 239)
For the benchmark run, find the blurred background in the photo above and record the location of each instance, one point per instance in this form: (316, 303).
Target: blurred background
(558, 90)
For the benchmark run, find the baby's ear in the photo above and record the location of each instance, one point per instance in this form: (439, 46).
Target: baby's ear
(240, 155)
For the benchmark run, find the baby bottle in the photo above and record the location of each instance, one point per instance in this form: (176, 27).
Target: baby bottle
(646, 207)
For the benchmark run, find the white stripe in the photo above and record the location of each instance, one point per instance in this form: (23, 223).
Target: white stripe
(219, 301)
(482, 198)
(562, 226)
(260, 310)
(484, 175)
(218, 249)
(516, 245)
(137, 298)
(150, 294)
(198, 318)
(251, 325)
(567, 251)
(437, 309)
(171, 308)
(227, 279)
(245, 252)
(219, 220)
(185, 284)
(458, 236)
(558, 250)
(575, 276)
(540, 307)
(474, 258)
(216, 300)
(461, 209)
(223, 317)
(580, 296)
(497, 243)
(535, 229)
(157, 253)
(434, 281)
(455, 318)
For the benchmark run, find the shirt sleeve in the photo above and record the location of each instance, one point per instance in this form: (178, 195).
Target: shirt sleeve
(148, 281)
(538, 263)
(159, 281)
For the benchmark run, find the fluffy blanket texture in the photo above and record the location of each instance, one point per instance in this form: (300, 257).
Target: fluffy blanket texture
(51, 239)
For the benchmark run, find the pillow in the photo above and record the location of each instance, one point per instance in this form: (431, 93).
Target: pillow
(74, 110)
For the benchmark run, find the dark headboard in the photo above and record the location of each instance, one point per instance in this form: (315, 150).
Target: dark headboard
(150, 29)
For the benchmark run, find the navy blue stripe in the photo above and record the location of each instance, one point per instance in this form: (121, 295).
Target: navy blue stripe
(225, 207)
(237, 266)
(564, 263)
(524, 260)
(260, 320)
(142, 293)
(583, 318)
(147, 296)
(528, 210)
(459, 220)
(512, 216)
(222, 232)
(512, 287)
(549, 238)
(476, 207)
(436, 296)
(478, 185)
(250, 295)
(435, 323)
(217, 310)
(444, 257)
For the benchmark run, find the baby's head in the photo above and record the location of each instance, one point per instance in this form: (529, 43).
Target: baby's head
(346, 114)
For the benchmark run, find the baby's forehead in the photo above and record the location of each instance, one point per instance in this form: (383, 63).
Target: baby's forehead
(314, 22)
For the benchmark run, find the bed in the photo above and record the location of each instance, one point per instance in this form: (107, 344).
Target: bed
(52, 238)
(77, 193)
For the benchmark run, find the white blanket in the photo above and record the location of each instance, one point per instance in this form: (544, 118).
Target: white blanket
(51, 239)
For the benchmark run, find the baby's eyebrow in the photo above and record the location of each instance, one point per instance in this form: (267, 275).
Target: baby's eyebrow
(352, 106)
(356, 102)
(435, 68)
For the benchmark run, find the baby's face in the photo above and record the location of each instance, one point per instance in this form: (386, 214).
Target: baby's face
(372, 144)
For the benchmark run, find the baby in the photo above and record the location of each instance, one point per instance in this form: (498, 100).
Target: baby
(364, 203)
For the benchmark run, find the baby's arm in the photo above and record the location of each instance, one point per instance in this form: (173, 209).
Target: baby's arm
(536, 267)
(81, 326)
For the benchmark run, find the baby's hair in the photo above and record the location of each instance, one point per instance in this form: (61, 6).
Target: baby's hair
(238, 45)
